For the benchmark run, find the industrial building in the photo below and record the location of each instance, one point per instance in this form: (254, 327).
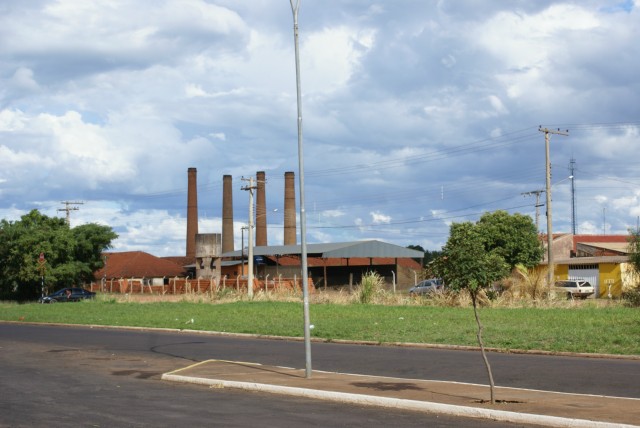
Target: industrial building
(329, 264)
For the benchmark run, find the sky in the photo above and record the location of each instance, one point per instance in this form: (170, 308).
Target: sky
(415, 114)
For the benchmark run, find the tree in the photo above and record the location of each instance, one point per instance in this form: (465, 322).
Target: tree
(634, 250)
(71, 255)
(429, 256)
(466, 264)
(513, 237)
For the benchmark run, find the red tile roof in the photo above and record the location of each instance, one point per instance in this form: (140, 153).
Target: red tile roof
(602, 239)
(138, 264)
(181, 260)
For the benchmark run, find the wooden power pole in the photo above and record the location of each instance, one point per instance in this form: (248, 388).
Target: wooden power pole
(547, 134)
(68, 207)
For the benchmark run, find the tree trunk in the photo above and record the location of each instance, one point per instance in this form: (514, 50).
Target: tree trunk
(479, 335)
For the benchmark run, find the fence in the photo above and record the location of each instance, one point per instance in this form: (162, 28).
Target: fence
(186, 285)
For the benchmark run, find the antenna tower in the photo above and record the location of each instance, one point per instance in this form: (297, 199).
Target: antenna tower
(572, 165)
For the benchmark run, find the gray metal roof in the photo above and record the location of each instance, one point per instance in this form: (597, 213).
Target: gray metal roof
(371, 248)
(621, 247)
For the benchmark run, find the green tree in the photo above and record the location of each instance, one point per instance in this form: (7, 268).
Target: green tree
(634, 249)
(513, 237)
(71, 255)
(466, 264)
(429, 256)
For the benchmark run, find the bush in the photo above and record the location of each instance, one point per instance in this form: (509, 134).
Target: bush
(371, 286)
(631, 298)
(528, 283)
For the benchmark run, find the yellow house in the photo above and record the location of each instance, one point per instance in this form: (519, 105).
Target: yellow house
(608, 275)
(600, 259)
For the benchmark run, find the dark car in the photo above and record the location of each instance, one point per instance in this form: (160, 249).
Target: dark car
(427, 286)
(74, 294)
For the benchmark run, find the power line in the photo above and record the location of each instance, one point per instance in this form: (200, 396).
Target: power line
(459, 150)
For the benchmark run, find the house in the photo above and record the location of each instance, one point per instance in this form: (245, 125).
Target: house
(600, 259)
(138, 266)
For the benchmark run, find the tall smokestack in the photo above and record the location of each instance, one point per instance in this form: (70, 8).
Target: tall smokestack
(227, 214)
(261, 211)
(192, 212)
(289, 209)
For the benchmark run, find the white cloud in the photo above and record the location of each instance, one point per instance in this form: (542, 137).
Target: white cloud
(378, 218)
(11, 120)
(522, 41)
(111, 102)
(193, 91)
(23, 79)
(601, 199)
(332, 55)
(497, 105)
(333, 213)
(530, 45)
(611, 145)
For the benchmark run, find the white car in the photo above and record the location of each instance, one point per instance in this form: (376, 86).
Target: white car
(575, 288)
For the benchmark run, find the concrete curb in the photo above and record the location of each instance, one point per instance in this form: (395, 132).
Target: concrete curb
(402, 404)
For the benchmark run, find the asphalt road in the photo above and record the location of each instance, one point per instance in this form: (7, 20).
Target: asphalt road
(76, 376)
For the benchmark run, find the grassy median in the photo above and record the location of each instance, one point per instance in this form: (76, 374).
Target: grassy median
(584, 327)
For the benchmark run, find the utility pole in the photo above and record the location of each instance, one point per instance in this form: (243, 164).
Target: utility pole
(547, 137)
(251, 187)
(68, 208)
(538, 205)
(573, 196)
(243, 228)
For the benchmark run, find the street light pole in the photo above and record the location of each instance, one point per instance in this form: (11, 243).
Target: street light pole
(41, 262)
(303, 220)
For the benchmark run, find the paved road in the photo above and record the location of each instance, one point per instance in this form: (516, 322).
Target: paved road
(56, 376)
(562, 374)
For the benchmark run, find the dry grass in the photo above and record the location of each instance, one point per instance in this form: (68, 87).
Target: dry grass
(506, 299)
(523, 289)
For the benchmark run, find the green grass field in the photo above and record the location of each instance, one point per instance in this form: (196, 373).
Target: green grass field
(584, 328)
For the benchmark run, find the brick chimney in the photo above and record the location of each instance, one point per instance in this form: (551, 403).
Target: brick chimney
(227, 214)
(192, 212)
(261, 211)
(289, 209)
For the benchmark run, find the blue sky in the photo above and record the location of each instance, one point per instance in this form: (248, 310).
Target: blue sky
(416, 113)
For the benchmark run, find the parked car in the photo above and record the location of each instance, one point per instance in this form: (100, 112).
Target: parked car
(575, 288)
(427, 286)
(72, 294)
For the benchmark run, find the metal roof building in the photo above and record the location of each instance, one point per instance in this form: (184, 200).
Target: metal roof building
(367, 249)
(336, 264)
